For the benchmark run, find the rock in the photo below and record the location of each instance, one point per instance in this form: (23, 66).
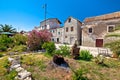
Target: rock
(24, 74)
(10, 59)
(28, 78)
(19, 69)
(14, 62)
(15, 66)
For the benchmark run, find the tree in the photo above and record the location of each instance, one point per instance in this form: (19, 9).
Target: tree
(7, 28)
(37, 38)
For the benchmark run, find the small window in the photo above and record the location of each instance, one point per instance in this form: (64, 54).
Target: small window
(69, 20)
(67, 29)
(72, 29)
(59, 33)
(65, 36)
(53, 40)
(111, 28)
(53, 31)
(90, 30)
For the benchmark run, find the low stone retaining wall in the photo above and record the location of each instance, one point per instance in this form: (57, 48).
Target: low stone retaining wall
(95, 51)
(22, 73)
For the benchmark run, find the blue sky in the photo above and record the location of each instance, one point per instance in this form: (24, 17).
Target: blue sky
(26, 14)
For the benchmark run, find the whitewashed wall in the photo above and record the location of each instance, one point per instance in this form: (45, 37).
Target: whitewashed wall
(95, 51)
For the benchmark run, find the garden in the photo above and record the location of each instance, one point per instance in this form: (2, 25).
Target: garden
(36, 52)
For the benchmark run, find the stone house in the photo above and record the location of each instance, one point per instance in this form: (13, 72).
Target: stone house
(96, 28)
(49, 24)
(58, 34)
(72, 31)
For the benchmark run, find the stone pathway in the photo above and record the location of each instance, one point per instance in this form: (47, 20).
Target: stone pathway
(22, 73)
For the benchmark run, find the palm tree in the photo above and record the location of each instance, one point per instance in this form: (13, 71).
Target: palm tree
(7, 28)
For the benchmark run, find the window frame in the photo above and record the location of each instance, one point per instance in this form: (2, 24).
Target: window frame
(110, 26)
(72, 28)
(67, 29)
(90, 32)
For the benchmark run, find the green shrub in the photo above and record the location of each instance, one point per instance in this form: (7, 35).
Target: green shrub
(64, 51)
(49, 47)
(3, 48)
(20, 48)
(20, 39)
(85, 55)
(78, 74)
(5, 40)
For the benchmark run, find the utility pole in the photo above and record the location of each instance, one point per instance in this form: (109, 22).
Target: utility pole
(45, 7)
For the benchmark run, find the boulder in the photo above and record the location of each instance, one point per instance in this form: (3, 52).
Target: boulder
(23, 75)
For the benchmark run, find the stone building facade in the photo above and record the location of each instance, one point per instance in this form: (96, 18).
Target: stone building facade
(96, 28)
(72, 31)
(49, 24)
(58, 34)
(69, 33)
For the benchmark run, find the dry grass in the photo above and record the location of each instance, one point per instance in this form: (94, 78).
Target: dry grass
(42, 70)
(109, 71)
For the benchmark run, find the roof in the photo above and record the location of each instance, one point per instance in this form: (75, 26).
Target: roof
(73, 18)
(6, 33)
(103, 17)
(51, 19)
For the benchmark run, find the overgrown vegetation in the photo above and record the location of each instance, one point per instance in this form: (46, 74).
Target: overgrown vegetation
(20, 39)
(64, 51)
(113, 35)
(4, 73)
(115, 45)
(85, 55)
(49, 47)
(78, 74)
(19, 48)
(5, 42)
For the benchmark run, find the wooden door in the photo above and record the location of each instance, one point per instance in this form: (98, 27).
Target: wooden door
(99, 42)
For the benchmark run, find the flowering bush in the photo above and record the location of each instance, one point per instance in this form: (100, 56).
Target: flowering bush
(37, 38)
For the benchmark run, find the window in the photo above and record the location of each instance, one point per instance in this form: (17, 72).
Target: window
(72, 29)
(69, 20)
(90, 30)
(65, 36)
(53, 40)
(67, 29)
(59, 33)
(53, 31)
(111, 28)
